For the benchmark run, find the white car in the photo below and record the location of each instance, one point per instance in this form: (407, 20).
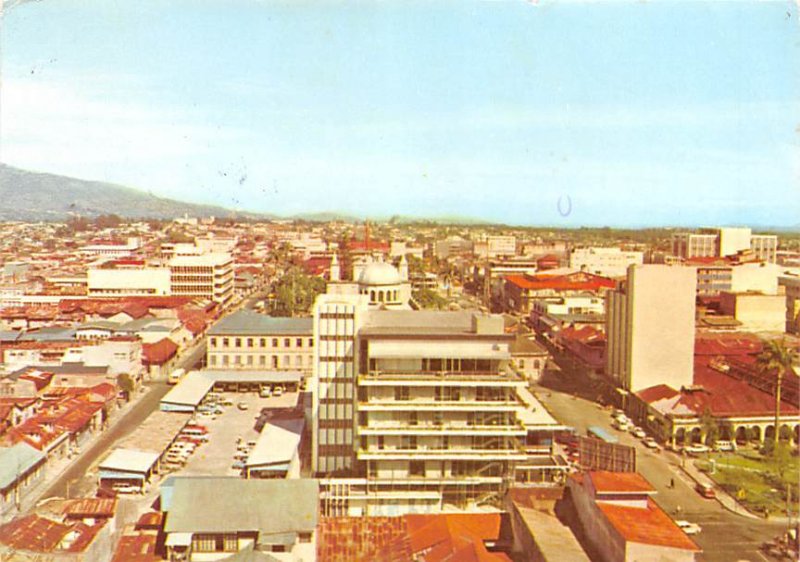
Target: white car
(696, 449)
(638, 432)
(689, 528)
(650, 443)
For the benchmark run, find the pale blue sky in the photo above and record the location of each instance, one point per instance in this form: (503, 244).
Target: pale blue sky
(641, 113)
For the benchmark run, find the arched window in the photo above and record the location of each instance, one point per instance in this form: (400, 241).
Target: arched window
(372, 296)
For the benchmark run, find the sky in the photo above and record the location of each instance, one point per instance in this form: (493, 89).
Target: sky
(561, 113)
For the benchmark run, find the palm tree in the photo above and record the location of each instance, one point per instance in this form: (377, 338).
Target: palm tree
(777, 356)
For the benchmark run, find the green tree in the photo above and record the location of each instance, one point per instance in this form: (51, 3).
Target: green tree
(126, 384)
(777, 356)
(295, 293)
(710, 427)
(426, 298)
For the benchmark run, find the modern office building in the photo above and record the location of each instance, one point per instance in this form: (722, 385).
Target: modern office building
(722, 242)
(208, 276)
(650, 326)
(608, 262)
(416, 407)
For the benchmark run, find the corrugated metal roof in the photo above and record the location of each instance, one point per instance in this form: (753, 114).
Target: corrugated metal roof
(129, 460)
(17, 460)
(249, 323)
(232, 504)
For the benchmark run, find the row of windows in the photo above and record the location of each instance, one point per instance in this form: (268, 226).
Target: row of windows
(274, 361)
(259, 342)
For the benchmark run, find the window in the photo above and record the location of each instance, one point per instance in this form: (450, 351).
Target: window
(310, 342)
(299, 342)
(274, 342)
(287, 342)
(249, 342)
(213, 342)
(402, 393)
(262, 342)
(238, 342)
(226, 342)
(416, 468)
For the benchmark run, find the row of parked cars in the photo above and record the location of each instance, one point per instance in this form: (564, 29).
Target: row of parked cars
(623, 423)
(188, 440)
(243, 449)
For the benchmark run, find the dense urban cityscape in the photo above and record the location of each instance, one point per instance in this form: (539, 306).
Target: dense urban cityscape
(399, 281)
(202, 389)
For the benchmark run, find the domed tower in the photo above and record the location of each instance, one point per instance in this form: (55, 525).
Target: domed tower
(384, 286)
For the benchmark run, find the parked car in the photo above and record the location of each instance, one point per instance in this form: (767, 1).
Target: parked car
(727, 446)
(265, 392)
(651, 443)
(242, 406)
(689, 528)
(705, 490)
(277, 391)
(696, 449)
(127, 489)
(638, 432)
(238, 465)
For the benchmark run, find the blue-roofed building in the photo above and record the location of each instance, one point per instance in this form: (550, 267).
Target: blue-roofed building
(20, 466)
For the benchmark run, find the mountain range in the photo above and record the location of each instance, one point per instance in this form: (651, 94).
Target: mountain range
(38, 196)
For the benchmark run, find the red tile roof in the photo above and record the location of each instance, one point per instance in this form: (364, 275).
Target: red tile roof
(91, 507)
(159, 352)
(648, 525)
(658, 392)
(136, 548)
(32, 532)
(605, 482)
(580, 281)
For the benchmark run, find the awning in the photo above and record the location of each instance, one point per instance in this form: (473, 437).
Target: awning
(178, 539)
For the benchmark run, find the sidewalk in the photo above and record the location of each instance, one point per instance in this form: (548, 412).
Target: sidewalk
(686, 464)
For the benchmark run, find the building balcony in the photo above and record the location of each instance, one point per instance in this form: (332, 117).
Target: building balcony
(431, 405)
(418, 454)
(440, 378)
(444, 429)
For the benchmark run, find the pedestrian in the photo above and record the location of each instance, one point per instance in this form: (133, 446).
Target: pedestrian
(671, 483)
(678, 510)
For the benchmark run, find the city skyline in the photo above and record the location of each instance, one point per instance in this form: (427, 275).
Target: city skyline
(674, 114)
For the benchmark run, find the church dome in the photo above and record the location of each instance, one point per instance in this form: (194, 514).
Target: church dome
(379, 273)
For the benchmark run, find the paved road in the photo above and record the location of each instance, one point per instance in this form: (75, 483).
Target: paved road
(80, 482)
(725, 536)
(76, 480)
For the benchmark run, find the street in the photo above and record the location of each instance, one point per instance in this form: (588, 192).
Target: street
(77, 480)
(725, 536)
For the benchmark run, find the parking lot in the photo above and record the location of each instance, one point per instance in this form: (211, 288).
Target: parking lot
(226, 430)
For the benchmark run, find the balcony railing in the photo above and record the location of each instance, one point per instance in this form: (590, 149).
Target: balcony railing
(431, 428)
(374, 453)
(396, 374)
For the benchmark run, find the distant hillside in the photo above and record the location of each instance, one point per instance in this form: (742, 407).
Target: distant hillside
(34, 196)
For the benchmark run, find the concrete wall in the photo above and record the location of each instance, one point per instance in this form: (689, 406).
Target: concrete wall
(661, 312)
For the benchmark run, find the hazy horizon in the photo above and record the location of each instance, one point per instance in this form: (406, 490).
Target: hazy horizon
(560, 114)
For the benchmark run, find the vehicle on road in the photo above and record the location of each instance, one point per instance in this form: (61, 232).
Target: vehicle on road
(175, 376)
(696, 449)
(243, 406)
(277, 391)
(705, 490)
(651, 443)
(127, 489)
(688, 528)
(265, 392)
(621, 425)
(602, 434)
(638, 432)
